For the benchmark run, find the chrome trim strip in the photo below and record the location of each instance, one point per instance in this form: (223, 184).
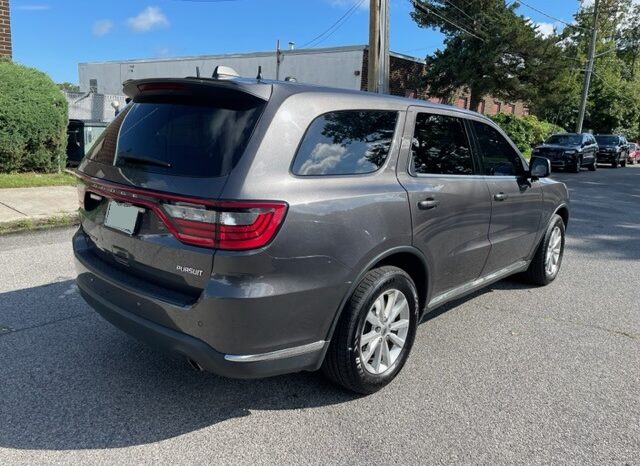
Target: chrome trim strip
(279, 354)
(478, 283)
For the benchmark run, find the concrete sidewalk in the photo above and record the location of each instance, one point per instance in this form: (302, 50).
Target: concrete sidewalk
(37, 203)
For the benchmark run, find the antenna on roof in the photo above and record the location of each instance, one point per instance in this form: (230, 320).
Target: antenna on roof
(259, 77)
(197, 71)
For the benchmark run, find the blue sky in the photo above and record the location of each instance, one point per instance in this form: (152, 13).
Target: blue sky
(56, 35)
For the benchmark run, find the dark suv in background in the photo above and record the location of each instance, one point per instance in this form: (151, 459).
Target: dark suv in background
(259, 228)
(613, 149)
(570, 151)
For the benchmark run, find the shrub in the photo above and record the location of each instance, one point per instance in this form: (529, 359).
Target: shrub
(33, 120)
(526, 132)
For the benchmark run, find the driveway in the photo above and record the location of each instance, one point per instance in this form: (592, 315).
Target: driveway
(512, 374)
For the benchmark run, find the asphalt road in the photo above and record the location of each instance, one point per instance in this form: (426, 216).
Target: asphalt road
(511, 375)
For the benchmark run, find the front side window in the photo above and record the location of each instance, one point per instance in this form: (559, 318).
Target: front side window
(498, 156)
(440, 146)
(346, 142)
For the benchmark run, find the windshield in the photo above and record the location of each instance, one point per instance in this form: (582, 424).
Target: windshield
(565, 139)
(607, 140)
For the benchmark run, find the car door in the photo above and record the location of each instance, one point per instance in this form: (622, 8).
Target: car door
(516, 200)
(450, 203)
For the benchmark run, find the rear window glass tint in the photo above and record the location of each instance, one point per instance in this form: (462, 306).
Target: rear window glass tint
(346, 143)
(191, 140)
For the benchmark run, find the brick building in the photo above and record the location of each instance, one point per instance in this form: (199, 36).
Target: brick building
(404, 80)
(5, 29)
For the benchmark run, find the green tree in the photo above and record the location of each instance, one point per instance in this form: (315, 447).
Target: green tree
(489, 50)
(33, 120)
(613, 104)
(68, 87)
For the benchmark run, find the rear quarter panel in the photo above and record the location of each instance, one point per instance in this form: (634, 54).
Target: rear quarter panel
(334, 227)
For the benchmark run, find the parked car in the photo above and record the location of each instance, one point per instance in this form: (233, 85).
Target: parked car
(634, 153)
(570, 151)
(613, 149)
(260, 228)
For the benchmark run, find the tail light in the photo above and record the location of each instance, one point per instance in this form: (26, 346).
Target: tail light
(226, 225)
(232, 225)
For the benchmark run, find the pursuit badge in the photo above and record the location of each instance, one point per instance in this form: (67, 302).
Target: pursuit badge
(190, 270)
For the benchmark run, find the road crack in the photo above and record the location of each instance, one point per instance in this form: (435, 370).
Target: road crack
(610, 331)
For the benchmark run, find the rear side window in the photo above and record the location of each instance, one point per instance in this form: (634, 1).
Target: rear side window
(498, 156)
(440, 146)
(346, 143)
(176, 138)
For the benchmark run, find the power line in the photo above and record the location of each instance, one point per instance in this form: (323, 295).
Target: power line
(549, 16)
(334, 27)
(465, 14)
(426, 9)
(617, 91)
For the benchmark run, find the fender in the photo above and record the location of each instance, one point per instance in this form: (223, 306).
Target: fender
(398, 249)
(546, 225)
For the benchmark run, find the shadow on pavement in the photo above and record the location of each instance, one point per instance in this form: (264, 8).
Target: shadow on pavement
(605, 212)
(78, 383)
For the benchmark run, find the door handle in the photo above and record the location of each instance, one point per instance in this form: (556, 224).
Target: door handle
(500, 196)
(427, 204)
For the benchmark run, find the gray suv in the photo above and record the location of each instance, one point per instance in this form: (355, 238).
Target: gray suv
(260, 228)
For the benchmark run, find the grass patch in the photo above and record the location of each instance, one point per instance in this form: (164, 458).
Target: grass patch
(58, 221)
(33, 180)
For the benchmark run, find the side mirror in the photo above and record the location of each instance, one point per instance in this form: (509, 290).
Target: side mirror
(539, 167)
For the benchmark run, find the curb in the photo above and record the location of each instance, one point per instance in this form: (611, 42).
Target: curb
(34, 224)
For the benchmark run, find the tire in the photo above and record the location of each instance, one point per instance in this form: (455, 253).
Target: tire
(538, 273)
(576, 168)
(614, 164)
(344, 362)
(623, 163)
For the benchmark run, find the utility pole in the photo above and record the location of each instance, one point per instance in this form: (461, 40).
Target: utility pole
(278, 60)
(378, 69)
(588, 70)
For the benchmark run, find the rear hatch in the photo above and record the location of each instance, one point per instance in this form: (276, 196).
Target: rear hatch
(149, 188)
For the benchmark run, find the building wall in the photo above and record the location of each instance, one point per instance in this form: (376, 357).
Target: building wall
(338, 67)
(5, 29)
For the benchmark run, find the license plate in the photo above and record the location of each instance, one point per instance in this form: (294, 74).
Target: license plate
(122, 217)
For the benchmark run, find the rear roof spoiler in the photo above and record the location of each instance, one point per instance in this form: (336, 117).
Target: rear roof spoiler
(190, 86)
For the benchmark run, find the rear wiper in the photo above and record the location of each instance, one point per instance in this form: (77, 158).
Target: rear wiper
(144, 160)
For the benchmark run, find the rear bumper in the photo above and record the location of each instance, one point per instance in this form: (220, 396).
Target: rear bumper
(127, 310)
(235, 366)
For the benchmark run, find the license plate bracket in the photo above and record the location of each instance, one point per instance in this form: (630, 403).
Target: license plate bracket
(122, 217)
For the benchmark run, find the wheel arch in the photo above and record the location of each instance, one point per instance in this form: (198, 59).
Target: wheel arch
(407, 258)
(563, 212)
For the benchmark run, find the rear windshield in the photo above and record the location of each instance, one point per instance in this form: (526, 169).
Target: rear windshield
(565, 139)
(607, 140)
(181, 139)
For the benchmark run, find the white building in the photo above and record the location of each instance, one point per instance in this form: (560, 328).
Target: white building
(342, 67)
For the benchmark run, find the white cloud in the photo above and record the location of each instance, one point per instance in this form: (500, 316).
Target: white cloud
(323, 158)
(149, 18)
(33, 7)
(545, 29)
(102, 27)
